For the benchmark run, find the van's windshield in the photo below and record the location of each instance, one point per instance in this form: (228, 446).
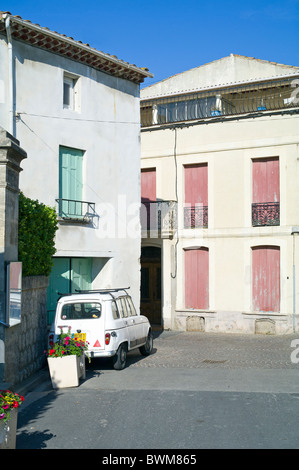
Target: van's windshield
(80, 311)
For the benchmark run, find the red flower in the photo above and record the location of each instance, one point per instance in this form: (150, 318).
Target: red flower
(15, 404)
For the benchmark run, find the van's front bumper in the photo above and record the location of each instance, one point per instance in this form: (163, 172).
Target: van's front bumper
(101, 353)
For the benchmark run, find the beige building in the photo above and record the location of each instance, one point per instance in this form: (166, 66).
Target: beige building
(220, 192)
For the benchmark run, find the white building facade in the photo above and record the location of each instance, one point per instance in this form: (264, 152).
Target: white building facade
(76, 112)
(219, 153)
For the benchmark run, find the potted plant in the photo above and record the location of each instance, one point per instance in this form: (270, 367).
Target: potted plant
(66, 360)
(9, 404)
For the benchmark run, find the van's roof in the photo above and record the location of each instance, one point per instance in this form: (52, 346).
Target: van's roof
(101, 294)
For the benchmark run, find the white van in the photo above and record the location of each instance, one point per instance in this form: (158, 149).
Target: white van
(107, 320)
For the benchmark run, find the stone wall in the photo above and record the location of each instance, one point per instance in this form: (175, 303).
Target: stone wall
(25, 343)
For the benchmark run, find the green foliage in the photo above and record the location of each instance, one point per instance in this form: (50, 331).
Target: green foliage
(37, 228)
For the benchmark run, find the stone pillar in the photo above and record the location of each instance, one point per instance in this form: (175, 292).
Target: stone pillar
(11, 156)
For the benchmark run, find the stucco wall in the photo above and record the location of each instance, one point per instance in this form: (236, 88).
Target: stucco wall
(26, 342)
(106, 127)
(228, 148)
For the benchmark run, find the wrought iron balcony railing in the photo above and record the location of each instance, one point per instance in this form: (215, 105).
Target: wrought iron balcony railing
(225, 101)
(158, 218)
(70, 209)
(265, 213)
(196, 216)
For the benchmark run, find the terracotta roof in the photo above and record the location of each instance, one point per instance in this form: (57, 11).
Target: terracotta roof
(35, 35)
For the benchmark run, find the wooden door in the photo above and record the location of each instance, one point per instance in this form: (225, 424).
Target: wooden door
(197, 278)
(151, 295)
(67, 275)
(266, 278)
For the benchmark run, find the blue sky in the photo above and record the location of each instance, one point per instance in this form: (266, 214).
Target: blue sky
(171, 36)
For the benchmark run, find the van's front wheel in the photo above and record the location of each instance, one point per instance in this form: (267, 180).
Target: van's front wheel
(120, 358)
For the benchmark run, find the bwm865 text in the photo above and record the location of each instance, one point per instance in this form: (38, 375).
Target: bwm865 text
(174, 459)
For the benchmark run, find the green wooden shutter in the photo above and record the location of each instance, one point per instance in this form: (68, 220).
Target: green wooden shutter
(70, 181)
(59, 281)
(81, 273)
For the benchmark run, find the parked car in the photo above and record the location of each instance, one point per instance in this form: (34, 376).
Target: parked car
(107, 320)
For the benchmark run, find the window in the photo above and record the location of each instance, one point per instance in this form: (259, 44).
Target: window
(122, 308)
(70, 183)
(148, 199)
(115, 312)
(71, 92)
(131, 308)
(196, 196)
(265, 191)
(79, 311)
(68, 93)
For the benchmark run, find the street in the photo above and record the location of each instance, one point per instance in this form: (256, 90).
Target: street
(196, 391)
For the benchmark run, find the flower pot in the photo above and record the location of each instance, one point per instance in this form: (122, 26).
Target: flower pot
(66, 371)
(8, 431)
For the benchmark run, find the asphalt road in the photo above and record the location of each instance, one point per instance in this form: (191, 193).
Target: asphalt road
(196, 391)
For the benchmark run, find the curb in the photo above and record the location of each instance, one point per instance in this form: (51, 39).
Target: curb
(30, 384)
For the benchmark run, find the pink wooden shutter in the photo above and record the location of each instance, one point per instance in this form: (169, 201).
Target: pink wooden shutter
(265, 180)
(197, 278)
(148, 185)
(196, 184)
(266, 278)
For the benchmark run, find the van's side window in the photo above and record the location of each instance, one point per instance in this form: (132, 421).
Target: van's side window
(125, 312)
(131, 307)
(115, 312)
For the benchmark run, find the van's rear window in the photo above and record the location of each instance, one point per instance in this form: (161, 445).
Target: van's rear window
(81, 311)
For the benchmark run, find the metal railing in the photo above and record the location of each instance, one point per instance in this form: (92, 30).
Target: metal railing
(196, 216)
(70, 209)
(266, 213)
(226, 101)
(159, 217)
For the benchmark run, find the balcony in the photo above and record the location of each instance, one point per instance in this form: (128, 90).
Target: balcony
(196, 216)
(76, 211)
(266, 213)
(252, 98)
(158, 219)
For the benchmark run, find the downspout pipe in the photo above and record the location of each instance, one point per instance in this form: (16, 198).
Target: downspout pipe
(10, 76)
(295, 230)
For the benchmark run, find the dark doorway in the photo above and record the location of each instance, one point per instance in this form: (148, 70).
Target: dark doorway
(151, 305)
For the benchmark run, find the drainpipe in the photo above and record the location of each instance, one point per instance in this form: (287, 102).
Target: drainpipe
(10, 75)
(294, 230)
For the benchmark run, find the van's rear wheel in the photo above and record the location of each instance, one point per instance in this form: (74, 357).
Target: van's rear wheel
(120, 358)
(147, 348)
